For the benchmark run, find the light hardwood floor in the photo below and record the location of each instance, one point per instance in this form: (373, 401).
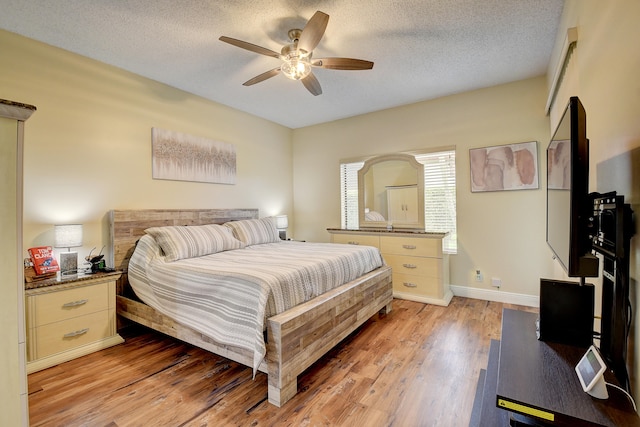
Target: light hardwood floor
(417, 366)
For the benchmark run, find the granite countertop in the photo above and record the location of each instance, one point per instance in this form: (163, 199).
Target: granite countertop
(17, 104)
(387, 231)
(57, 280)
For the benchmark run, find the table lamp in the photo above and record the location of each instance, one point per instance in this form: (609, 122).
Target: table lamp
(68, 236)
(282, 223)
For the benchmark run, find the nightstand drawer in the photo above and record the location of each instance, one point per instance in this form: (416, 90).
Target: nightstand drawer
(61, 336)
(70, 303)
(351, 239)
(418, 285)
(429, 267)
(412, 246)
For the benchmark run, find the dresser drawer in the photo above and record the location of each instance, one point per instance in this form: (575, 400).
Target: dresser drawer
(61, 305)
(429, 267)
(418, 285)
(354, 239)
(68, 334)
(413, 246)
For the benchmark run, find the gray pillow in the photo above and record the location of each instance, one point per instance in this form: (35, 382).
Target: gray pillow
(179, 241)
(255, 231)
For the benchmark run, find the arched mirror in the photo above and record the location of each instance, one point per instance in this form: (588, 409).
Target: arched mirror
(391, 192)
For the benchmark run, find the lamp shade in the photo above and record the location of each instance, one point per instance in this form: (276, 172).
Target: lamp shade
(67, 236)
(282, 222)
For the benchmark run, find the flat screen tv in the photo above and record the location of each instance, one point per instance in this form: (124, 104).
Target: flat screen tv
(569, 205)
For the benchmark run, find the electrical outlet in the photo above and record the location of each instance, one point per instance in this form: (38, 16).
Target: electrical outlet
(496, 282)
(479, 277)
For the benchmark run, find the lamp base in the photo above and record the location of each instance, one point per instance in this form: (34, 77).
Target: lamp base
(283, 234)
(68, 263)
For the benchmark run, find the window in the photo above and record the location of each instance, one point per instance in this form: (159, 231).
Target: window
(349, 194)
(439, 194)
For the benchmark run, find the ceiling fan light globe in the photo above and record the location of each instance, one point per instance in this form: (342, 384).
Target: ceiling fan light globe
(296, 68)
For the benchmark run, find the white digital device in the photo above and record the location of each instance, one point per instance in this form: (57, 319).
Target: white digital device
(590, 370)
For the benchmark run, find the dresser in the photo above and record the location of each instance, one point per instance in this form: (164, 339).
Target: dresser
(70, 318)
(419, 267)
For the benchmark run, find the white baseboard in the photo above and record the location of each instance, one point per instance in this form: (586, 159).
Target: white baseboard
(444, 301)
(494, 295)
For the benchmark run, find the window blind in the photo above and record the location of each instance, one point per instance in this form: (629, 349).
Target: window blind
(349, 194)
(440, 195)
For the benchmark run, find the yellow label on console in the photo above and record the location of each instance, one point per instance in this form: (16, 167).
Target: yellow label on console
(525, 409)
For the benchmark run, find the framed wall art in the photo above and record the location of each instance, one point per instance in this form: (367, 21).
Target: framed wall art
(182, 157)
(504, 167)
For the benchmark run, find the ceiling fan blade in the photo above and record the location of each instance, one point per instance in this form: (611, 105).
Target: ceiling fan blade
(313, 31)
(342, 64)
(312, 84)
(262, 77)
(250, 46)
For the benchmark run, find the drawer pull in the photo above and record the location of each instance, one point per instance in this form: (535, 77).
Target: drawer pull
(75, 303)
(76, 333)
(410, 285)
(409, 246)
(409, 266)
(354, 243)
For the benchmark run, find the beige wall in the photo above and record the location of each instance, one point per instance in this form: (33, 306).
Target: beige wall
(603, 72)
(88, 146)
(501, 233)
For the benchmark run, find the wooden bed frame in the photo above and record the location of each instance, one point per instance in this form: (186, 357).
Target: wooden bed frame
(295, 339)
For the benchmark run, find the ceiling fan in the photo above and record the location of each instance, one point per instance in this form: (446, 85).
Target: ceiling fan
(296, 56)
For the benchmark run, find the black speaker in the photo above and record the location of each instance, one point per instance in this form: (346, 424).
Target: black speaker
(566, 312)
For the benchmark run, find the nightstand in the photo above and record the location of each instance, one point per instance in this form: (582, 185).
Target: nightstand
(70, 317)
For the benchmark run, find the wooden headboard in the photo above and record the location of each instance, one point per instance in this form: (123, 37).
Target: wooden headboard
(127, 226)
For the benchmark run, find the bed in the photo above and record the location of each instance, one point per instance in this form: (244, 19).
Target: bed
(294, 339)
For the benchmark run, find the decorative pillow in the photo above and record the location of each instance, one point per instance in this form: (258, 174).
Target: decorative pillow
(373, 216)
(179, 242)
(255, 231)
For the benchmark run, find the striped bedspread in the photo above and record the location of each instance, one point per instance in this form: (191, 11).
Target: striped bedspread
(228, 295)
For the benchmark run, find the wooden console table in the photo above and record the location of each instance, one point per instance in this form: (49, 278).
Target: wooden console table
(536, 382)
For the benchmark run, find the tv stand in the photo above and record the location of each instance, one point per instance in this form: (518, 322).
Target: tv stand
(536, 384)
(612, 241)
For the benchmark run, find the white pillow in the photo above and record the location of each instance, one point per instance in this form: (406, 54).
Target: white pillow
(179, 241)
(255, 231)
(373, 216)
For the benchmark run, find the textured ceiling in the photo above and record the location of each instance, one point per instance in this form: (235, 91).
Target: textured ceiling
(422, 49)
